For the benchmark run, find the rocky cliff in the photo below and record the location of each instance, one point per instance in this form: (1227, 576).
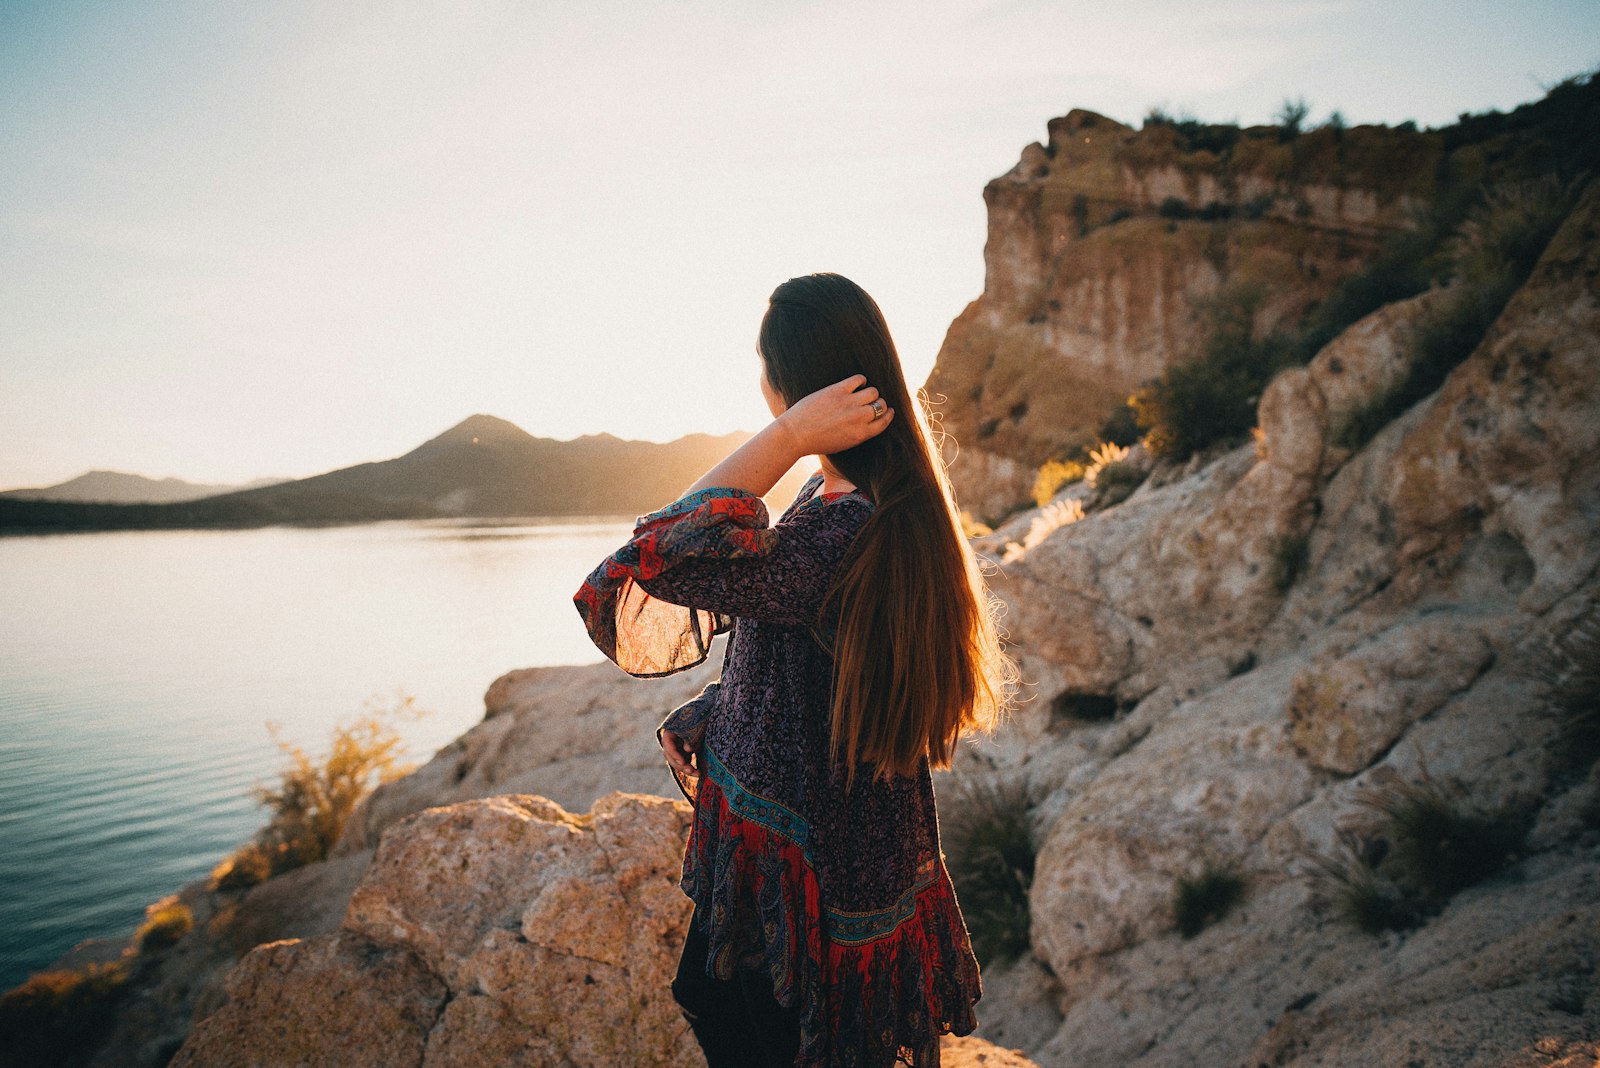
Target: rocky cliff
(1104, 239)
(1108, 245)
(1258, 713)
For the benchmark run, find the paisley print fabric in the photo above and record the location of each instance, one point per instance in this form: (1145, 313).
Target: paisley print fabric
(840, 896)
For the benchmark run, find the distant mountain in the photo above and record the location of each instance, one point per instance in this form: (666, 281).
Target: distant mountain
(481, 467)
(120, 487)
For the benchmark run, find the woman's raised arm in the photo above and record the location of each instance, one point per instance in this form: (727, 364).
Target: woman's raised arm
(832, 419)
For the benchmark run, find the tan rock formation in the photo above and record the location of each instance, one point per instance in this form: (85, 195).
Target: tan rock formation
(577, 733)
(1103, 241)
(1346, 710)
(1440, 557)
(498, 931)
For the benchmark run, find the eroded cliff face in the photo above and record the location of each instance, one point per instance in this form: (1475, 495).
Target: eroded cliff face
(1104, 240)
(1255, 709)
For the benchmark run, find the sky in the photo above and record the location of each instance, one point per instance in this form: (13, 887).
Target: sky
(276, 238)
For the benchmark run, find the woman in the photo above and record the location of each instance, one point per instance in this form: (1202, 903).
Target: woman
(863, 644)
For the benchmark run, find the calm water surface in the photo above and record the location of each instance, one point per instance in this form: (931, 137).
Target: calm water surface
(138, 672)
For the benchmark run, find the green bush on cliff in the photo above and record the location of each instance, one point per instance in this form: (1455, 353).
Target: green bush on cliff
(1121, 426)
(1420, 845)
(990, 854)
(1290, 116)
(314, 798)
(1490, 255)
(1054, 474)
(59, 1017)
(1487, 242)
(167, 921)
(1212, 397)
(1501, 188)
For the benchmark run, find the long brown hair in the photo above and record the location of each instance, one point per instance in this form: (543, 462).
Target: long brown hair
(916, 653)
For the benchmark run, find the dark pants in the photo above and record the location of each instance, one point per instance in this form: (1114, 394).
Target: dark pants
(737, 1021)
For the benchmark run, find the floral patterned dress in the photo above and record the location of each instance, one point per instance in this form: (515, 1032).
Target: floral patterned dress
(841, 896)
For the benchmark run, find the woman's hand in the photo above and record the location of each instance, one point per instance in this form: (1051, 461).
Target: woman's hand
(836, 417)
(680, 753)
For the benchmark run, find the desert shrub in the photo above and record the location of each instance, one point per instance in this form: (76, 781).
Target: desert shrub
(1347, 878)
(1569, 676)
(1102, 456)
(1112, 475)
(1054, 474)
(1402, 270)
(1201, 900)
(1158, 116)
(1192, 135)
(1465, 233)
(1121, 426)
(1504, 235)
(58, 1018)
(1051, 518)
(1116, 483)
(1290, 117)
(1490, 255)
(1438, 843)
(1419, 845)
(248, 865)
(1213, 397)
(314, 797)
(166, 921)
(1290, 554)
(990, 853)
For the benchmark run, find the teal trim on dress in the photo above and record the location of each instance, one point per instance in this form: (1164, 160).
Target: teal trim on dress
(752, 806)
(854, 928)
(692, 501)
(845, 928)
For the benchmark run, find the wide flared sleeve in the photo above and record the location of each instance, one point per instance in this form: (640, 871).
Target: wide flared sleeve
(649, 636)
(655, 604)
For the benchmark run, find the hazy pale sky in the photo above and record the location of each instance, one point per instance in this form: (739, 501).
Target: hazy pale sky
(241, 239)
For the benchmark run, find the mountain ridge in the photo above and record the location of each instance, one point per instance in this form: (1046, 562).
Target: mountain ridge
(482, 466)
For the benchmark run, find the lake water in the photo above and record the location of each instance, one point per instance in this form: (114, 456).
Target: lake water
(138, 672)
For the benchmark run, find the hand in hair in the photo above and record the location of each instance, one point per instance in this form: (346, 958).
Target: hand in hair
(836, 417)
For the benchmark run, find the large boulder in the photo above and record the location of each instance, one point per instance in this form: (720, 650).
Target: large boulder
(497, 931)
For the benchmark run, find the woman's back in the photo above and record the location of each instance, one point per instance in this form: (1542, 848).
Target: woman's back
(865, 644)
(837, 893)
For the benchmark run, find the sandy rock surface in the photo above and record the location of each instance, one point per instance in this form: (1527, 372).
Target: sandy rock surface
(496, 931)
